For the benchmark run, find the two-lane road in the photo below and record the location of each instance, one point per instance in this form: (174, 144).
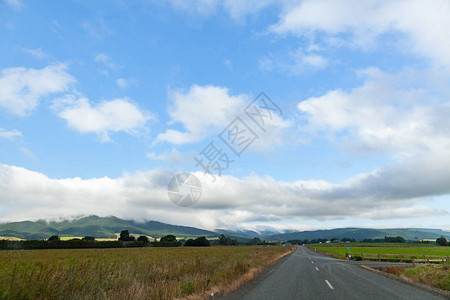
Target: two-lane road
(306, 274)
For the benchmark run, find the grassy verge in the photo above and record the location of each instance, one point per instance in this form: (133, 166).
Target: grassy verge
(138, 273)
(339, 250)
(437, 276)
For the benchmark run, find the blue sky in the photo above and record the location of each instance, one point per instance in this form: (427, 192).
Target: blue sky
(101, 103)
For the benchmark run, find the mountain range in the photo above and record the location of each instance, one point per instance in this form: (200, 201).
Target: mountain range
(108, 227)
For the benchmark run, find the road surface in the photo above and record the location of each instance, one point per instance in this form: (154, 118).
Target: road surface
(306, 274)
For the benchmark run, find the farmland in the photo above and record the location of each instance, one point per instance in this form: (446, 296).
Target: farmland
(339, 250)
(136, 273)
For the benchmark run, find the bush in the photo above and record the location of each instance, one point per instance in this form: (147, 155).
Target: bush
(168, 238)
(143, 239)
(126, 237)
(224, 241)
(167, 241)
(442, 241)
(53, 238)
(198, 242)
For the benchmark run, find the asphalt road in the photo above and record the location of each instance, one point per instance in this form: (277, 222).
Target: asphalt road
(306, 274)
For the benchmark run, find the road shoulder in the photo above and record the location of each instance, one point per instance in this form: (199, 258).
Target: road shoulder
(249, 285)
(424, 287)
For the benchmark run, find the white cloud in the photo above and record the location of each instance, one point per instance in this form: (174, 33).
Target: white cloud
(240, 9)
(27, 152)
(296, 62)
(105, 117)
(403, 115)
(124, 83)
(7, 134)
(105, 60)
(424, 24)
(22, 89)
(174, 156)
(202, 110)
(17, 4)
(121, 82)
(390, 112)
(37, 53)
(229, 202)
(97, 29)
(202, 7)
(206, 110)
(236, 9)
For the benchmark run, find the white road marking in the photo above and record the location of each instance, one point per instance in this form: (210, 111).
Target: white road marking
(317, 268)
(329, 285)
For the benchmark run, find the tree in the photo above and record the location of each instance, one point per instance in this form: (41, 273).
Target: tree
(399, 239)
(198, 242)
(168, 238)
(256, 241)
(125, 236)
(226, 241)
(167, 241)
(442, 241)
(143, 239)
(53, 238)
(88, 239)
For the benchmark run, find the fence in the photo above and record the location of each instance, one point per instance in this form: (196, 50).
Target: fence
(413, 258)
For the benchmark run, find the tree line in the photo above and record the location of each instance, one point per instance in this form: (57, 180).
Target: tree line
(125, 239)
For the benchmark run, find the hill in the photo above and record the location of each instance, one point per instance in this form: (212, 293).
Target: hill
(98, 227)
(360, 234)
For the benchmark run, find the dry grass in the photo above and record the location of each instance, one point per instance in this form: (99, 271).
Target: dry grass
(437, 276)
(433, 275)
(137, 273)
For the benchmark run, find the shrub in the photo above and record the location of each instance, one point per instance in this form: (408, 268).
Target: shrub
(199, 242)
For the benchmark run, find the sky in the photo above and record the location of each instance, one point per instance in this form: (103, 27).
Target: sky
(292, 114)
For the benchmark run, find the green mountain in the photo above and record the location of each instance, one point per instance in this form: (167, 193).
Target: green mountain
(98, 227)
(361, 233)
(107, 227)
(247, 234)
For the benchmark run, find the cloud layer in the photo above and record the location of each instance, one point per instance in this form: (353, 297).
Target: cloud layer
(388, 192)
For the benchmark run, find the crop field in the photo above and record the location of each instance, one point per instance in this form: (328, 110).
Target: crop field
(339, 250)
(130, 273)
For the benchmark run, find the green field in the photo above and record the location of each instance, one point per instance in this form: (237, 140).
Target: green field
(339, 250)
(129, 273)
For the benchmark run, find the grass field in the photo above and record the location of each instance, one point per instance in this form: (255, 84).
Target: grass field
(136, 273)
(339, 250)
(10, 238)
